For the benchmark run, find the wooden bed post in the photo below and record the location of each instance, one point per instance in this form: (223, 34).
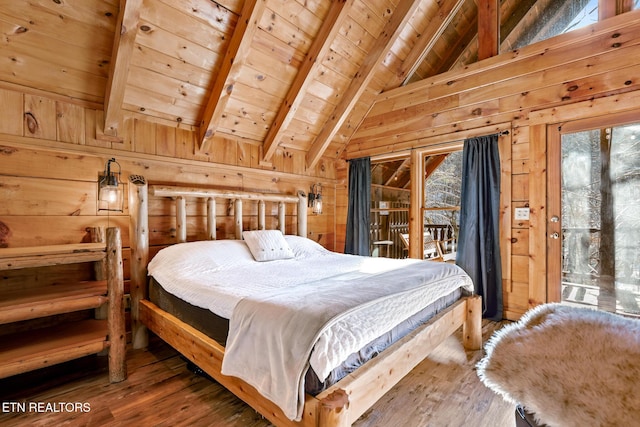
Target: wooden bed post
(181, 219)
(472, 326)
(262, 221)
(139, 236)
(334, 410)
(302, 214)
(282, 210)
(211, 218)
(237, 213)
(115, 315)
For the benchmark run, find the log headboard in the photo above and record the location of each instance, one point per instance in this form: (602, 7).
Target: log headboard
(139, 192)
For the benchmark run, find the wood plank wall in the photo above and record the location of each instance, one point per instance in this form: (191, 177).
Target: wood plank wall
(586, 73)
(52, 151)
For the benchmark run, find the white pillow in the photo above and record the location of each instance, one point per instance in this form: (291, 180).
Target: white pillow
(303, 247)
(267, 245)
(204, 255)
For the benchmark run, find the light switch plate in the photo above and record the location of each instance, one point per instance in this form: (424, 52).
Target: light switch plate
(521, 214)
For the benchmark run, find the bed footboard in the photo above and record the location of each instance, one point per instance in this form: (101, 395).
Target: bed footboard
(347, 400)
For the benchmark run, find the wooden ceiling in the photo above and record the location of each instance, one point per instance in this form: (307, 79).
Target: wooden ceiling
(289, 74)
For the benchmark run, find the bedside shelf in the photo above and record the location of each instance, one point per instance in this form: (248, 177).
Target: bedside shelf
(42, 256)
(37, 348)
(49, 300)
(23, 352)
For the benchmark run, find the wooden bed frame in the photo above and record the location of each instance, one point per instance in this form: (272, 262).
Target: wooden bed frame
(341, 404)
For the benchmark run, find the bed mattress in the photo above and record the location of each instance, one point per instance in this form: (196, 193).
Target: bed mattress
(217, 327)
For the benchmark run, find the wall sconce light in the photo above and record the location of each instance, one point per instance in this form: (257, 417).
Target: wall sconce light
(110, 189)
(315, 199)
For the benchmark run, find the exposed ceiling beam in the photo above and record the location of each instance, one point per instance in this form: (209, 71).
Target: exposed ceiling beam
(389, 35)
(556, 14)
(488, 28)
(512, 24)
(432, 164)
(458, 48)
(233, 61)
(405, 166)
(609, 8)
(319, 49)
(447, 11)
(512, 27)
(123, 44)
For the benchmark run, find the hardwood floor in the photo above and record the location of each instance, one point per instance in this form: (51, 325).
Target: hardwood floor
(443, 390)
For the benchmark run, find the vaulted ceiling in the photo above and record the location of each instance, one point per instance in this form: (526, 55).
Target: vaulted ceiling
(282, 74)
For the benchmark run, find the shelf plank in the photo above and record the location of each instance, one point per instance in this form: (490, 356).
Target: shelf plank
(56, 299)
(40, 256)
(36, 349)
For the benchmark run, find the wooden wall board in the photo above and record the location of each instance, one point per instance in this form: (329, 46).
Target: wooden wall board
(40, 117)
(515, 302)
(538, 216)
(37, 230)
(70, 123)
(40, 196)
(484, 86)
(29, 278)
(144, 137)
(520, 241)
(520, 187)
(520, 166)
(11, 111)
(165, 141)
(520, 268)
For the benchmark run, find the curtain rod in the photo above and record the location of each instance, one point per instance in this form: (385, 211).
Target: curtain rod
(384, 156)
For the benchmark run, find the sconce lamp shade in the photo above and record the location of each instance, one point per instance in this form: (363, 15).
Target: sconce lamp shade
(317, 206)
(315, 199)
(110, 193)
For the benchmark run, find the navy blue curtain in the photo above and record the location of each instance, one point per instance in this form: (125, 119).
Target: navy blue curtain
(478, 239)
(359, 209)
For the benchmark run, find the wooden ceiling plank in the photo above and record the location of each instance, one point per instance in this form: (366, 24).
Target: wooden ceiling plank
(388, 36)
(123, 43)
(446, 12)
(488, 28)
(320, 47)
(234, 58)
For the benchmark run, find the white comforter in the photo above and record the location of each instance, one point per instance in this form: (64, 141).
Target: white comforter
(223, 277)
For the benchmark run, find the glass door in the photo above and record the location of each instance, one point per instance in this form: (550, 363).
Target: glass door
(599, 222)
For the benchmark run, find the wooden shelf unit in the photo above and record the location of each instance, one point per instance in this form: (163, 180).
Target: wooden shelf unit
(43, 347)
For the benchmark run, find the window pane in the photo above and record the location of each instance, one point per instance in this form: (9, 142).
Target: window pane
(600, 221)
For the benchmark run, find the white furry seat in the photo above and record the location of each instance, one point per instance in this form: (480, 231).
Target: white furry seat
(570, 366)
